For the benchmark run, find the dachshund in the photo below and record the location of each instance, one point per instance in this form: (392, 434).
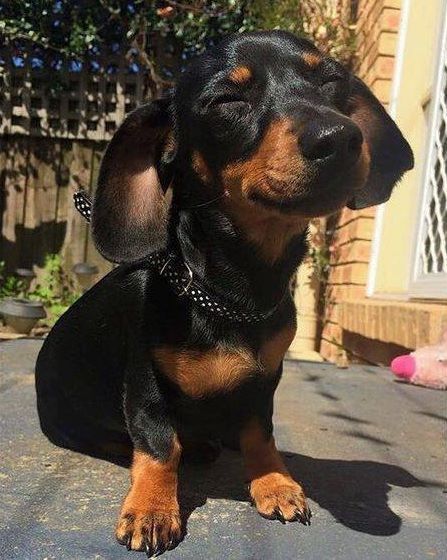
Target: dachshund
(203, 198)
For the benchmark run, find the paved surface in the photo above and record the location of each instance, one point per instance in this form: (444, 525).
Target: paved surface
(368, 450)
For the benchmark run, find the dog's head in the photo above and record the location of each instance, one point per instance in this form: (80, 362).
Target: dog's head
(265, 120)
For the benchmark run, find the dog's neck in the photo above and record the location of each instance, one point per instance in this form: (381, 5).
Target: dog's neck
(249, 264)
(268, 232)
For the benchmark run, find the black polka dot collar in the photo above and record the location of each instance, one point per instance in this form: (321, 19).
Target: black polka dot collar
(181, 279)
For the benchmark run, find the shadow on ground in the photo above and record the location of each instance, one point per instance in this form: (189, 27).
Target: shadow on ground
(355, 493)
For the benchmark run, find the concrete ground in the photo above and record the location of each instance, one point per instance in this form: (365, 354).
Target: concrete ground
(369, 452)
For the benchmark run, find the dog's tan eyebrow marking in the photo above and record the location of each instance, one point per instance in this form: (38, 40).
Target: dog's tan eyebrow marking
(240, 74)
(200, 167)
(311, 59)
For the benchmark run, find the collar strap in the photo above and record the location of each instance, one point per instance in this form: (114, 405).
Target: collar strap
(181, 279)
(83, 204)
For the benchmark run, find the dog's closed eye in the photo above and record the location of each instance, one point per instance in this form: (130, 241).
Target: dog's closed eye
(228, 99)
(334, 82)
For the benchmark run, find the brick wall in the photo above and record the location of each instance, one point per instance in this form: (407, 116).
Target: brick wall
(377, 29)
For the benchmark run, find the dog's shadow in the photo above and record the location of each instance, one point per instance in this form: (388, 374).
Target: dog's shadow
(355, 493)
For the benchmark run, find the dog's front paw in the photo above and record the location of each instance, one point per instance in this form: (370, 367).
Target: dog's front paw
(279, 497)
(151, 531)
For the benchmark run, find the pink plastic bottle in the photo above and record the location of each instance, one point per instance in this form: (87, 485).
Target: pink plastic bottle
(425, 366)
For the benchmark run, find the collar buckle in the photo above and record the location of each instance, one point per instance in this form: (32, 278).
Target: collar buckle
(190, 277)
(179, 281)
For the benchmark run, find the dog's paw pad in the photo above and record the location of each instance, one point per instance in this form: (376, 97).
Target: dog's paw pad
(151, 532)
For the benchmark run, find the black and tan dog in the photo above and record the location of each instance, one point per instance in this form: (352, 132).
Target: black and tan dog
(205, 197)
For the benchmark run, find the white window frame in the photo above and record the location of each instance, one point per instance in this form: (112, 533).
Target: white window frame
(431, 285)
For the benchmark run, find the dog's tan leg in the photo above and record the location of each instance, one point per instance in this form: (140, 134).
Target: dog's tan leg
(274, 492)
(150, 517)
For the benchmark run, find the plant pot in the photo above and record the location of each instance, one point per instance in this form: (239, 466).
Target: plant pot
(21, 314)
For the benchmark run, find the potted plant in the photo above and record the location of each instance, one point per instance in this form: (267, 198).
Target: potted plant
(20, 314)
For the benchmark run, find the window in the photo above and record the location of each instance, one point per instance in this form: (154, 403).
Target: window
(429, 277)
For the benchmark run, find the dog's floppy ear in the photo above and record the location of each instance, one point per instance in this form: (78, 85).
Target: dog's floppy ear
(131, 207)
(390, 154)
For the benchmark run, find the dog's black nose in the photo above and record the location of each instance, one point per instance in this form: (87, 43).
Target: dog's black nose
(326, 143)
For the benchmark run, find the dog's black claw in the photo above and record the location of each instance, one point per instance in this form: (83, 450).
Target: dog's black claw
(300, 516)
(279, 515)
(148, 548)
(305, 516)
(159, 549)
(128, 541)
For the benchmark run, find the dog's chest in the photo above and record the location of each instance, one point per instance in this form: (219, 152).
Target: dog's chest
(199, 373)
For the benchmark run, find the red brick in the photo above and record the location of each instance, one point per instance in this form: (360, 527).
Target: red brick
(390, 19)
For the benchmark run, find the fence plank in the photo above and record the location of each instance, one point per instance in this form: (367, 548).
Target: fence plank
(92, 255)
(3, 162)
(16, 176)
(41, 234)
(76, 158)
(38, 177)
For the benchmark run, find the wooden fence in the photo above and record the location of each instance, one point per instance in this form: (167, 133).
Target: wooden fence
(38, 177)
(51, 144)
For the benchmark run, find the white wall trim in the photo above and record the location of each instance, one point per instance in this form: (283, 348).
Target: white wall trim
(395, 91)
